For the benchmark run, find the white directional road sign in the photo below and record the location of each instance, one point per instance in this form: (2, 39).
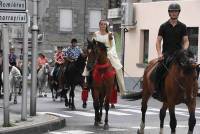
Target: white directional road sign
(13, 17)
(16, 5)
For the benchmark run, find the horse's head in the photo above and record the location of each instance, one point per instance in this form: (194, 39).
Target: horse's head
(186, 60)
(46, 68)
(96, 51)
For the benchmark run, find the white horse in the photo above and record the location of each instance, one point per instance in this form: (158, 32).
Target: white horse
(42, 78)
(15, 79)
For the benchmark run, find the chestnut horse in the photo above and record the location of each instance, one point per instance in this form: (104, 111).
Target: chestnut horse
(103, 75)
(180, 86)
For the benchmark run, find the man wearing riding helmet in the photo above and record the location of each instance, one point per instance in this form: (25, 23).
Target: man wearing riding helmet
(174, 36)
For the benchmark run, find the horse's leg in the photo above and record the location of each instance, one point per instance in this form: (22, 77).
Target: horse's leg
(101, 102)
(15, 92)
(145, 97)
(192, 119)
(107, 102)
(72, 95)
(96, 106)
(173, 121)
(162, 116)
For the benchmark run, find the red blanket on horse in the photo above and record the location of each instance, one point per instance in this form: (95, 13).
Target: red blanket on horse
(101, 72)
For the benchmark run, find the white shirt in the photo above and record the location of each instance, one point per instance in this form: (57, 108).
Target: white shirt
(111, 47)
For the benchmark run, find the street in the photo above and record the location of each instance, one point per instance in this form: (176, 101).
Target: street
(124, 119)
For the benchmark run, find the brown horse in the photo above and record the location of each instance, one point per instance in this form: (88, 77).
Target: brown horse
(103, 75)
(180, 86)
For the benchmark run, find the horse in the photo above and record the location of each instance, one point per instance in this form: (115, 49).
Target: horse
(15, 79)
(103, 76)
(72, 78)
(42, 79)
(180, 86)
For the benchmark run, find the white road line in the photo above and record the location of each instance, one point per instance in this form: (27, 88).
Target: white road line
(152, 127)
(81, 113)
(61, 115)
(73, 132)
(186, 110)
(114, 113)
(138, 111)
(146, 127)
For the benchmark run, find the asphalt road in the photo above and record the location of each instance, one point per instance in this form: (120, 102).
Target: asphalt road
(124, 119)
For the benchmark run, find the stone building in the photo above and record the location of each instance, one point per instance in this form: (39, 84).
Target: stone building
(66, 19)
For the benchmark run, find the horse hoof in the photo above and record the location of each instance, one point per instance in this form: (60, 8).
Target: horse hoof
(73, 108)
(106, 127)
(15, 101)
(96, 124)
(45, 95)
(112, 106)
(84, 105)
(140, 131)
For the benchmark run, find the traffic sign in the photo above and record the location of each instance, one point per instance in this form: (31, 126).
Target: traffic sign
(13, 17)
(16, 5)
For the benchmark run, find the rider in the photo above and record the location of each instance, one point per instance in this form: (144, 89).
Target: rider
(103, 35)
(73, 52)
(42, 60)
(174, 36)
(59, 60)
(12, 56)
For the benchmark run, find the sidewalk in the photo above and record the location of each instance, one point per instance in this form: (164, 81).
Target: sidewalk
(38, 124)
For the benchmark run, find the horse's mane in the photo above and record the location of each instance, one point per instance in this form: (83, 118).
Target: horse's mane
(184, 59)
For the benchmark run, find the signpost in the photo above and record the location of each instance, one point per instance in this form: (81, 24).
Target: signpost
(11, 11)
(15, 5)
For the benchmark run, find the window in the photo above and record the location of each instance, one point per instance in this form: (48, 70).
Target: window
(146, 46)
(95, 17)
(193, 33)
(65, 20)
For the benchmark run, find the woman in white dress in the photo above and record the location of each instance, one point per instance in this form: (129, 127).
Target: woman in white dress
(104, 36)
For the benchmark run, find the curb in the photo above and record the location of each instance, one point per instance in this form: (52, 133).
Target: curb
(37, 128)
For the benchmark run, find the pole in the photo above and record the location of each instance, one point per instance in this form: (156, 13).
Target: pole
(34, 56)
(123, 45)
(25, 70)
(5, 78)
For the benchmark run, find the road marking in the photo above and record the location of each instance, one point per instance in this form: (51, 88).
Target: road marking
(146, 127)
(73, 132)
(116, 113)
(57, 114)
(152, 127)
(113, 112)
(138, 111)
(81, 113)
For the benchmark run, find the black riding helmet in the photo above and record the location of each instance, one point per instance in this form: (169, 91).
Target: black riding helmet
(174, 7)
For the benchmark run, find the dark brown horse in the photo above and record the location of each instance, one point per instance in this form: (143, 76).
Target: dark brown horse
(103, 75)
(72, 78)
(180, 85)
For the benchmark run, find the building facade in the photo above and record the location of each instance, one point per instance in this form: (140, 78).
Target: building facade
(67, 19)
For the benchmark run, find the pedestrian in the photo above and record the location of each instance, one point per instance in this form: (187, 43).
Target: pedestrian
(105, 36)
(174, 36)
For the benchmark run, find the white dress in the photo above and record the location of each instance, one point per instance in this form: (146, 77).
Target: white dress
(112, 54)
